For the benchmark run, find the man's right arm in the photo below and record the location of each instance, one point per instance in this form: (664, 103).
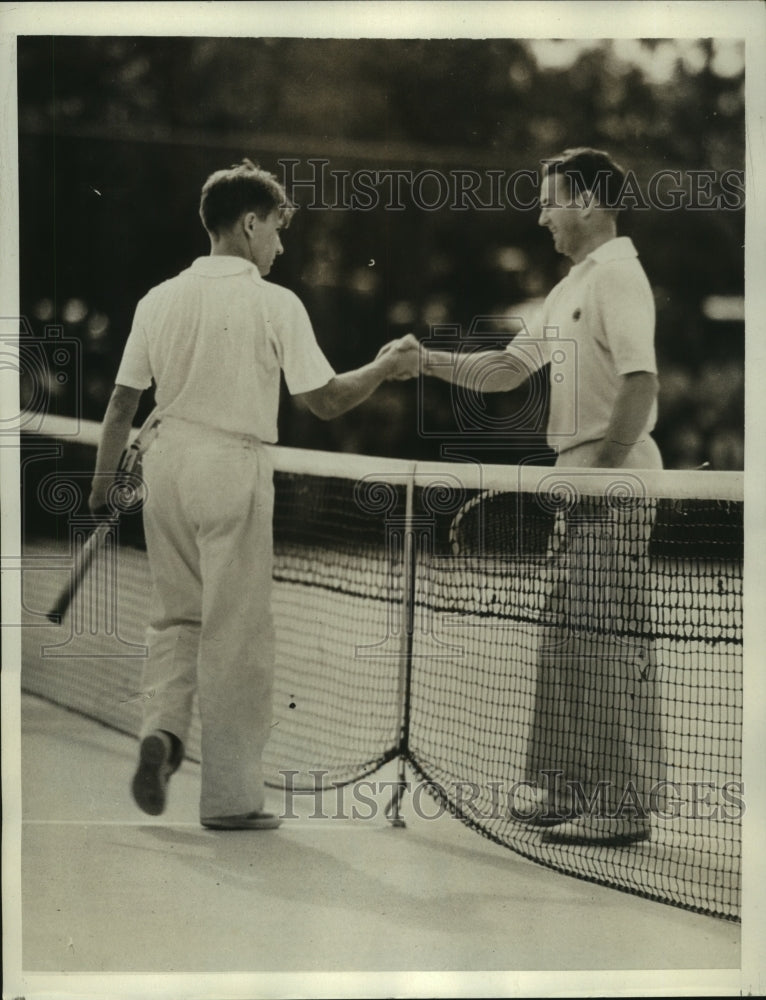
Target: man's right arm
(480, 371)
(115, 431)
(343, 392)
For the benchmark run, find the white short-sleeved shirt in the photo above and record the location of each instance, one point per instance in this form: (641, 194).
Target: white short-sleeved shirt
(214, 339)
(597, 324)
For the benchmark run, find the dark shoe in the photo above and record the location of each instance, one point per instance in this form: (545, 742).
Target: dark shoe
(600, 832)
(534, 808)
(248, 821)
(155, 765)
(548, 818)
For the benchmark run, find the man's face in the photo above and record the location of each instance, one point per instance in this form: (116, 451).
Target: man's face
(264, 239)
(560, 216)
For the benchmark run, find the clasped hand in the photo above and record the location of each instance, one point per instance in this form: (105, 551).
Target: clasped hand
(404, 356)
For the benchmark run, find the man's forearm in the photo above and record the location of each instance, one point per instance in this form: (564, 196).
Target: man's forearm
(397, 360)
(115, 430)
(629, 417)
(346, 391)
(480, 371)
(352, 388)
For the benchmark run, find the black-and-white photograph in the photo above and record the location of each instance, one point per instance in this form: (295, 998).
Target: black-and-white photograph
(380, 599)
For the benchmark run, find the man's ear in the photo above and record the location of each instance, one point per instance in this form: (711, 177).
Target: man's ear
(248, 221)
(586, 202)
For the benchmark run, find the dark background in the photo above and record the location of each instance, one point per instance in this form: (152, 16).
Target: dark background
(116, 136)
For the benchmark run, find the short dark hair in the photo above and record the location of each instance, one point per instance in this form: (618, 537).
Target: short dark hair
(590, 170)
(244, 187)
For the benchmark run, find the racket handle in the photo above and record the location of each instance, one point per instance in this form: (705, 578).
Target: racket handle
(128, 462)
(86, 557)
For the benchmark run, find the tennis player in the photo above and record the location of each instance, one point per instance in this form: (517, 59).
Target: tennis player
(594, 725)
(214, 340)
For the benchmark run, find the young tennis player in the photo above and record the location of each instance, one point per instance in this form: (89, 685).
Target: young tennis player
(214, 340)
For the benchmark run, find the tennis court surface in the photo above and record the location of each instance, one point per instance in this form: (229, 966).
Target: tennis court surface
(106, 889)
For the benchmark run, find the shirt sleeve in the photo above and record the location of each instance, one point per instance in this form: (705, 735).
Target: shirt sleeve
(304, 365)
(135, 370)
(626, 307)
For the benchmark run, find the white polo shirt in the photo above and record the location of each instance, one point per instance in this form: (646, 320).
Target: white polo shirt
(598, 324)
(214, 339)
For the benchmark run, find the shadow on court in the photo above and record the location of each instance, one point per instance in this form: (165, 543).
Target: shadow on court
(106, 889)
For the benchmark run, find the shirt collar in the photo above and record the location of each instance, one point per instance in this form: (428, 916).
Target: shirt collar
(220, 266)
(619, 248)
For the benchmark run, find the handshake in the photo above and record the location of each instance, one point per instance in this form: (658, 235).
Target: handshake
(401, 357)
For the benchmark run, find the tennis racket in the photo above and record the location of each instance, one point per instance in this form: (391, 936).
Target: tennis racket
(500, 524)
(466, 533)
(128, 490)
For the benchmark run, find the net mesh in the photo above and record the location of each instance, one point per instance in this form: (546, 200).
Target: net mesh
(590, 648)
(507, 632)
(336, 702)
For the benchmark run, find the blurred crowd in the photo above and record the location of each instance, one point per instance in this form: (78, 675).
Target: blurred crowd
(701, 416)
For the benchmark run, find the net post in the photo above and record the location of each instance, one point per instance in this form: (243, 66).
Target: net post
(393, 811)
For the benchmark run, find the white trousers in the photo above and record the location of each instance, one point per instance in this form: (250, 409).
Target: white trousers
(597, 703)
(208, 525)
(643, 455)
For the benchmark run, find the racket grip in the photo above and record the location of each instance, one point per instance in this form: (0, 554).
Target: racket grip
(85, 558)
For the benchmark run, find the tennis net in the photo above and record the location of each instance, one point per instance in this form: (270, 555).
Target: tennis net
(502, 631)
